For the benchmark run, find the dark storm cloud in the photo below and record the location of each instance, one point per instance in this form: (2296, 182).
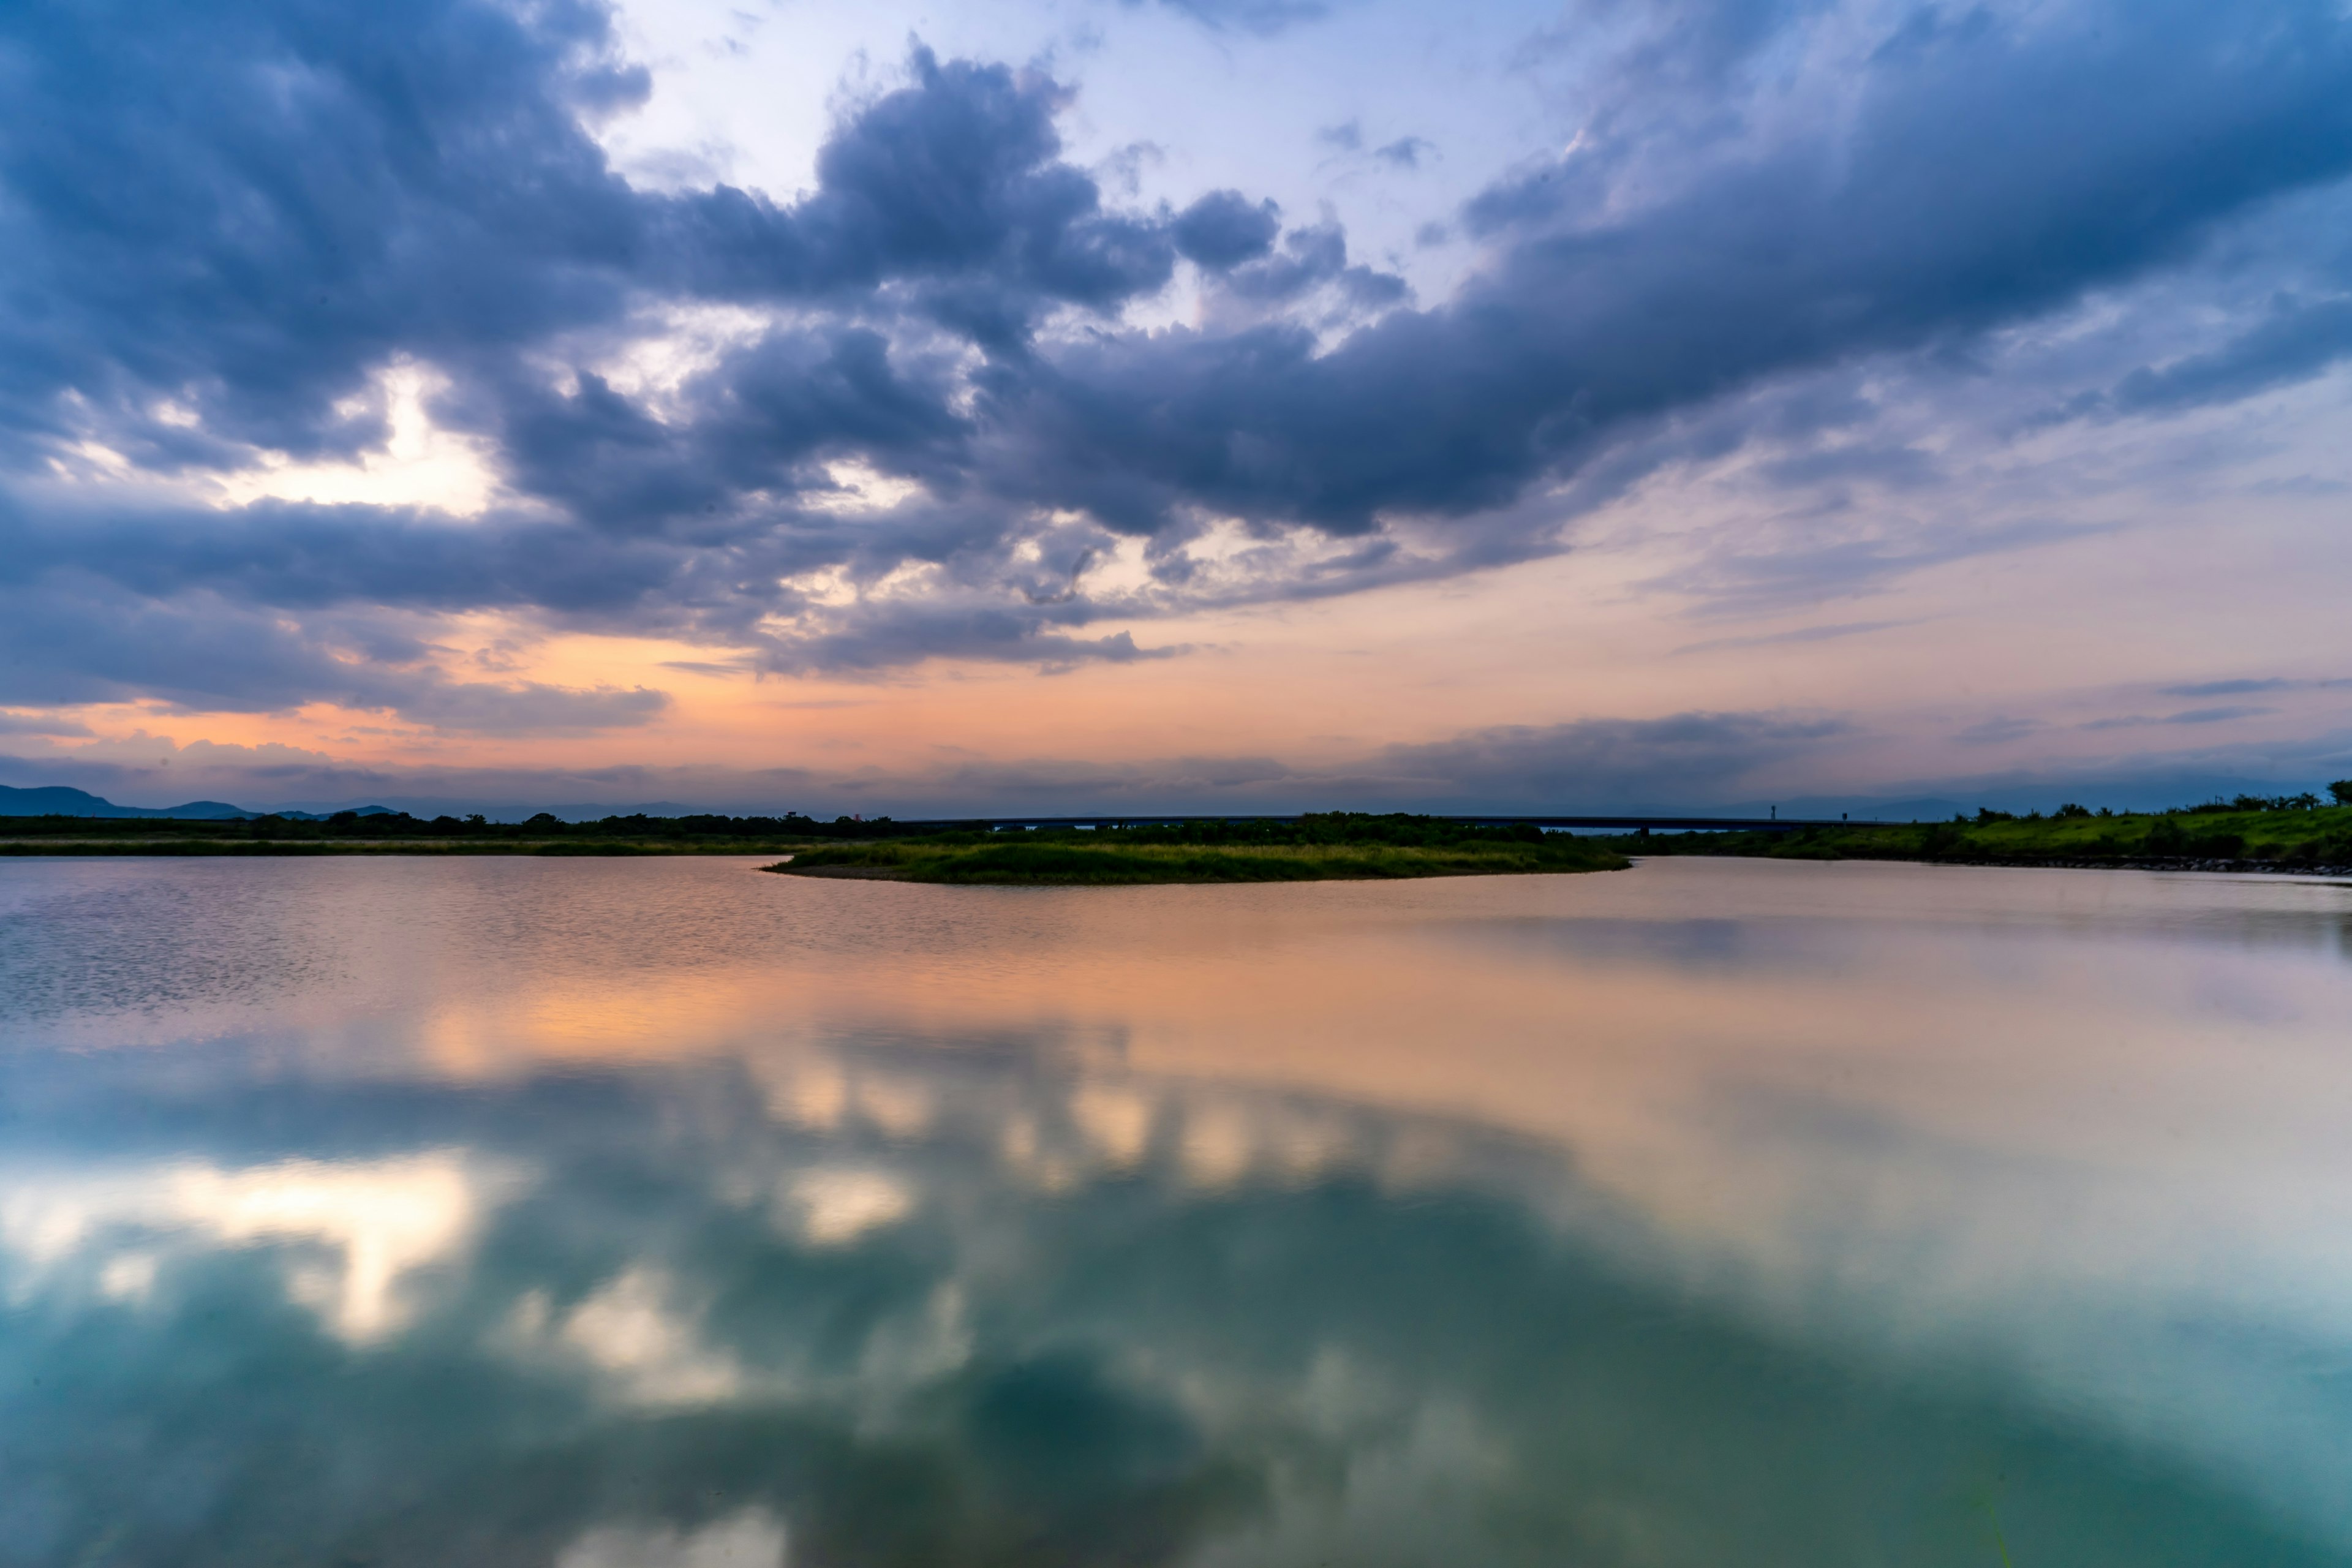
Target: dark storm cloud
(225, 226)
(222, 226)
(1310, 258)
(1938, 210)
(1225, 228)
(953, 182)
(756, 428)
(302, 557)
(247, 210)
(249, 206)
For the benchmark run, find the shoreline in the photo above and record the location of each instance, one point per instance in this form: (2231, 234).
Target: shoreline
(181, 849)
(887, 874)
(427, 848)
(2202, 867)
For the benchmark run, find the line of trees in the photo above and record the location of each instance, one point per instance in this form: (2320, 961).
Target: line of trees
(1323, 827)
(2340, 792)
(379, 825)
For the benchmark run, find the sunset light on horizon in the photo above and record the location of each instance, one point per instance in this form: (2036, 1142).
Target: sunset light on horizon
(1064, 406)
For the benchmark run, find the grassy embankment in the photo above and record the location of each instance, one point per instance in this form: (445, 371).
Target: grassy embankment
(2246, 834)
(1337, 845)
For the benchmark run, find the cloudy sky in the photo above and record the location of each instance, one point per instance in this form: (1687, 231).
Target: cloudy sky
(1284, 404)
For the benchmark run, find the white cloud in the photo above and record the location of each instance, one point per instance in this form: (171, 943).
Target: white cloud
(419, 465)
(833, 1204)
(375, 1222)
(752, 1539)
(636, 1329)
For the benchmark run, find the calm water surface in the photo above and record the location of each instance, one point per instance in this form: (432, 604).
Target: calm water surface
(633, 1214)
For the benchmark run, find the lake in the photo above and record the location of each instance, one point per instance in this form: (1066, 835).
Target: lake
(628, 1214)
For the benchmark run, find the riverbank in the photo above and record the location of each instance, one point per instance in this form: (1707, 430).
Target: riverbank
(181, 847)
(2313, 841)
(396, 833)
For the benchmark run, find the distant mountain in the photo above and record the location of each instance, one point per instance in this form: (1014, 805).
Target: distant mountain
(56, 800)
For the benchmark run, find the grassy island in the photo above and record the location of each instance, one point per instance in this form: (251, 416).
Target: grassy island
(2251, 833)
(1333, 845)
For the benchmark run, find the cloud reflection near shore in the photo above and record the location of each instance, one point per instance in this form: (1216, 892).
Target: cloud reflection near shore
(1461, 1219)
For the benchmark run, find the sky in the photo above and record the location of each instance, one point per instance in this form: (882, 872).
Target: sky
(1175, 404)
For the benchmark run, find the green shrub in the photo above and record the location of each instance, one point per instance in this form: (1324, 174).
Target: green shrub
(2167, 837)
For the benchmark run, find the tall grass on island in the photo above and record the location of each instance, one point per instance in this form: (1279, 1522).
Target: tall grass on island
(1327, 847)
(2284, 833)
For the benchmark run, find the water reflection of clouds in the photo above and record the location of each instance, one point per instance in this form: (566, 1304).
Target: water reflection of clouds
(1371, 1337)
(752, 1539)
(355, 1231)
(1206, 1232)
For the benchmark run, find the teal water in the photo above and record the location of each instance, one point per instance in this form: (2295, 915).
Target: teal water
(630, 1214)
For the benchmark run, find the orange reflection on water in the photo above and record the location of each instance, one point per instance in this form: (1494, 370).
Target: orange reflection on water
(1730, 1045)
(2093, 1072)
(2046, 1109)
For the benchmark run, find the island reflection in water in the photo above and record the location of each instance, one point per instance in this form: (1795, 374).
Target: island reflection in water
(596, 1213)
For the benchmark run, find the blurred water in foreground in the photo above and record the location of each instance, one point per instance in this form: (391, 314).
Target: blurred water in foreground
(627, 1214)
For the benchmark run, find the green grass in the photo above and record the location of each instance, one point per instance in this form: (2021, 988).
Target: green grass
(2286, 839)
(1070, 861)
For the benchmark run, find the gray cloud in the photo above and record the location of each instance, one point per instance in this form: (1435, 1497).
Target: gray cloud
(2220, 715)
(40, 724)
(1610, 763)
(1703, 761)
(2297, 340)
(1827, 633)
(1998, 730)
(1225, 228)
(1598, 764)
(1262, 19)
(199, 651)
(294, 200)
(2247, 688)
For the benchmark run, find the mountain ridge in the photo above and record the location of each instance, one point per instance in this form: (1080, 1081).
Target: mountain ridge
(61, 800)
